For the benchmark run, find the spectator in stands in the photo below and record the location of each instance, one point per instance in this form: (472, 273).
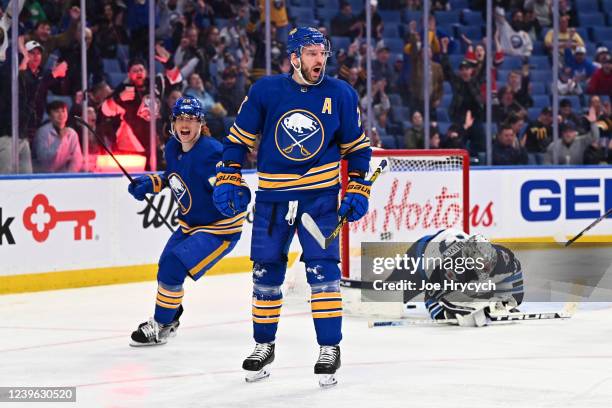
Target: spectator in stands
(512, 39)
(345, 23)
(232, 90)
(538, 136)
(196, 89)
(454, 138)
(72, 55)
(565, 7)
(466, 97)
(381, 68)
(596, 154)
(566, 83)
(519, 83)
(601, 81)
(110, 32)
(215, 120)
(380, 99)
(57, 147)
(435, 36)
(531, 25)
(414, 135)
(542, 10)
(477, 56)
(166, 113)
(130, 101)
(50, 43)
(568, 37)
(417, 78)
(602, 112)
(600, 55)
(506, 149)
(567, 113)
(581, 68)
(377, 22)
(278, 16)
(570, 147)
(434, 137)
(507, 106)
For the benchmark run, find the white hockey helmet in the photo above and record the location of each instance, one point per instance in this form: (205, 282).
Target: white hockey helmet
(480, 249)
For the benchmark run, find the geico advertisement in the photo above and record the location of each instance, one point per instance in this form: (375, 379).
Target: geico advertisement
(523, 203)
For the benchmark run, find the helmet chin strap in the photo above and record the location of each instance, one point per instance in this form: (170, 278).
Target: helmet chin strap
(298, 69)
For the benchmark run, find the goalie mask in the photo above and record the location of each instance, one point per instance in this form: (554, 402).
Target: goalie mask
(302, 37)
(483, 253)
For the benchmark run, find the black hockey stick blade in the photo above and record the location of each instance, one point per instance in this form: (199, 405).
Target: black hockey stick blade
(597, 221)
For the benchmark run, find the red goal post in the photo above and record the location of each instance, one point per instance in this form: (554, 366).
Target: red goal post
(420, 192)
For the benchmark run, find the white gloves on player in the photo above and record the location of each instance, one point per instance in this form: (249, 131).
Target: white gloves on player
(475, 313)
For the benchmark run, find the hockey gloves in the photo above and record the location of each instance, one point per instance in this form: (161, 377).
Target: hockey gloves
(355, 202)
(231, 196)
(149, 184)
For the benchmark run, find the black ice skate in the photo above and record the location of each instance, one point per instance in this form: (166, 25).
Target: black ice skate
(327, 365)
(258, 363)
(152, 333)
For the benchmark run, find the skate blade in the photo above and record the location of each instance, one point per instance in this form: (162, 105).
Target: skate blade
(327, 380)
(254, 376)
(136, 344)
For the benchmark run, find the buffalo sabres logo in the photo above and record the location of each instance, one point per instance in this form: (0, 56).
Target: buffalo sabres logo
(180, 191)
(299, 135)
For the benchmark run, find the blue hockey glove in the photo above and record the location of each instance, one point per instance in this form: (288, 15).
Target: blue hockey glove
(231, 196)
(149, 184)
(355, 201)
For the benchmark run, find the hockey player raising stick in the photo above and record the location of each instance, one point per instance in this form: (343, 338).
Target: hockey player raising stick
(205, 235)
(307, 123)
(452, 256)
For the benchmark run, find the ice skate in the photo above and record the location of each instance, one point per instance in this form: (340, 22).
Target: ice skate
(327, 365)
(152, 333)
(257, 365)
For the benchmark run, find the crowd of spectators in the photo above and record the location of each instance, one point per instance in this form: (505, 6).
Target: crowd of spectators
(214, 50)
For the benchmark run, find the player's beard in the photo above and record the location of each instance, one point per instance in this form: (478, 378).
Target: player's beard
(310, 74)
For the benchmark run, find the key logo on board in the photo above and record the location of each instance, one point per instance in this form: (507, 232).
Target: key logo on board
(299, 135)
(40, 218)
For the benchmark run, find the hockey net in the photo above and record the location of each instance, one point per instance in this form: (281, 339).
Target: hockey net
(419, 193)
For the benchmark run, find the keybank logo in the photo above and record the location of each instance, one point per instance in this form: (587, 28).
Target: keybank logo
(546, 200)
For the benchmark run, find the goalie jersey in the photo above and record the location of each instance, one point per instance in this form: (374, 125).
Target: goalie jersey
(304, 130)
(191, 175)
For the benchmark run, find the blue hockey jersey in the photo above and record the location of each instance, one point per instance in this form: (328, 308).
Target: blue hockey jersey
(305, 131)
(191, 175)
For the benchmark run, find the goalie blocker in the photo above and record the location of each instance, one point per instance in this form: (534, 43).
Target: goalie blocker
(493, 263)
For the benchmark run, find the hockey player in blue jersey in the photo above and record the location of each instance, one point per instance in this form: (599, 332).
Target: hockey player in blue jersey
(205, 235)
(454, 249)
(306, 122)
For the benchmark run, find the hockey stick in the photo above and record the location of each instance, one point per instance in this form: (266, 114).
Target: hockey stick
(597, 221)
(147, 199)
(313, 229)
(567, 312)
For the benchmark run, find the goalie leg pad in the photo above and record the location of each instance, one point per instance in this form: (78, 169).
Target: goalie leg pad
(267, 300)
(468, 314)
(326, 306)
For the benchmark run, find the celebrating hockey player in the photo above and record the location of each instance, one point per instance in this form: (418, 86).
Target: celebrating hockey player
(307, 123)
(451, 256)
(205, 235)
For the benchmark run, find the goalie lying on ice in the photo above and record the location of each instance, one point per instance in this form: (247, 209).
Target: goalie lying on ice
(462, 277)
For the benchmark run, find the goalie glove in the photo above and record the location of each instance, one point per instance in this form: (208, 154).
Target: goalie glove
(356, 199)
(231, 196)
(143, 185)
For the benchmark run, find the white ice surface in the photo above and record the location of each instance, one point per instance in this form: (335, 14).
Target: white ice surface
(80, 337)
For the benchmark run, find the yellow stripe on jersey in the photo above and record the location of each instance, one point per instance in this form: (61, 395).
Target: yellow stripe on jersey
(167, 305)
(245, 133)
(222, 227)
(265, 320)
(360, 143)
(169, 293)
(244, 139)
(166, 299)
(316, 178)
(267, 303)
(266, 312)
(211, 257)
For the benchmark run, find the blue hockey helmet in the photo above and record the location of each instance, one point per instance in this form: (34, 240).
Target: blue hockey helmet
(187, 106)
(303, 36)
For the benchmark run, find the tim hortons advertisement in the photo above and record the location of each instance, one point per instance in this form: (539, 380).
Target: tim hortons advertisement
(61, 224)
